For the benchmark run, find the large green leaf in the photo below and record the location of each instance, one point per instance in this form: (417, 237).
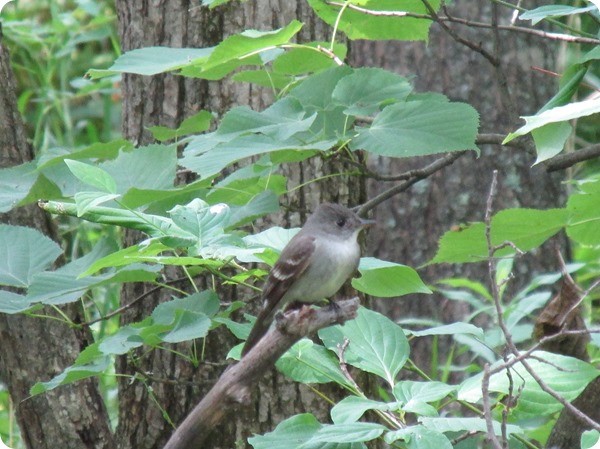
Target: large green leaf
(460, 424)
(309, 363)
(359, 25)
(224, 154)
(538, 14)
(289, 434)
(187, 317)
(525, 228)
(414, 396)
(419, 437)
(153, 60)
(12, 302)
(352, 408)
(419, 128)
(387, 279)
(357, 432)
(565, 375)
(196, 123)
(368, 89)
(377, 344)
(307, 59)
(24, 252)
(92, 175)
(584, 218)
(558, 114)
(149, 167)
(450, 329)
(15, 184)
(241, 49)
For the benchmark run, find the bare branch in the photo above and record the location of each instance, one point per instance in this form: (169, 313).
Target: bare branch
(566, 160)
(474, 24)
(234, 386)
(487, 411)
(417, 176)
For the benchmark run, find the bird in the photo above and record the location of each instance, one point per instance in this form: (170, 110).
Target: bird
(313, 266)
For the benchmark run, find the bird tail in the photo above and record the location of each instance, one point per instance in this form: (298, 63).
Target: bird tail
(260, 328)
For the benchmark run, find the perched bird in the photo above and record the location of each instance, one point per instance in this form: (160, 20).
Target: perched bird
(313, 265)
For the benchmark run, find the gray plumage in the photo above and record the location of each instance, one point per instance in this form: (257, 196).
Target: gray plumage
(313, 265)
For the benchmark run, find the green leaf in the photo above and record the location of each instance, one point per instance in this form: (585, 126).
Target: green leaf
(419, 128)
(409, 392)
(357, 432)
(65, 285)
(565, 375)
(24, 252)
(196, 123)
(584, 218)
(212, 162)
(590, 439)
(387, 279)
(93, 176)
(352, 408)
(450, 329)
(459, 424)
(569, 85)
(266, 202)
(550, 140)
(15, 184)
(367, 90)
(558, 114)
(360, 25)
(238, 50)
(153, 60)
(310, 363)
(204, 222)
(85, 201)
(263, 77)
(289, 434)
(419, 437)
(307, 59)
(526, 228)
(72, 374)
(103, 150)
(149, 167)
(189, 317)
(538, 14)
(12, 302)
(377, 344)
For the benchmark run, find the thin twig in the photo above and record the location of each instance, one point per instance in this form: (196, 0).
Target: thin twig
(418, 175)
(487, 410)
(567, 160)
(474, 24)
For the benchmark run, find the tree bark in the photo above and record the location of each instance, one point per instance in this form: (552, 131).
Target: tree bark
(167, 100)
(37, 349)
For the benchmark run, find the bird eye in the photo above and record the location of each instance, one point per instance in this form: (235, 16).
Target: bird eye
(340, 222)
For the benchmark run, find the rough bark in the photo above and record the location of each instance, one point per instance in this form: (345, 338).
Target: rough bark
(37, 349)
(411, 224)
(167, 100)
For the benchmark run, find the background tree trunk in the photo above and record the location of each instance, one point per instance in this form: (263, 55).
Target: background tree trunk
(167, 100)
(37, 349)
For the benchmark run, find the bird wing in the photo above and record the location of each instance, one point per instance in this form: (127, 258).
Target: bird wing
(289, 267)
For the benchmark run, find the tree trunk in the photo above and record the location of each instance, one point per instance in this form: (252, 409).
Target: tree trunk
(37, 349)
(167, 100)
